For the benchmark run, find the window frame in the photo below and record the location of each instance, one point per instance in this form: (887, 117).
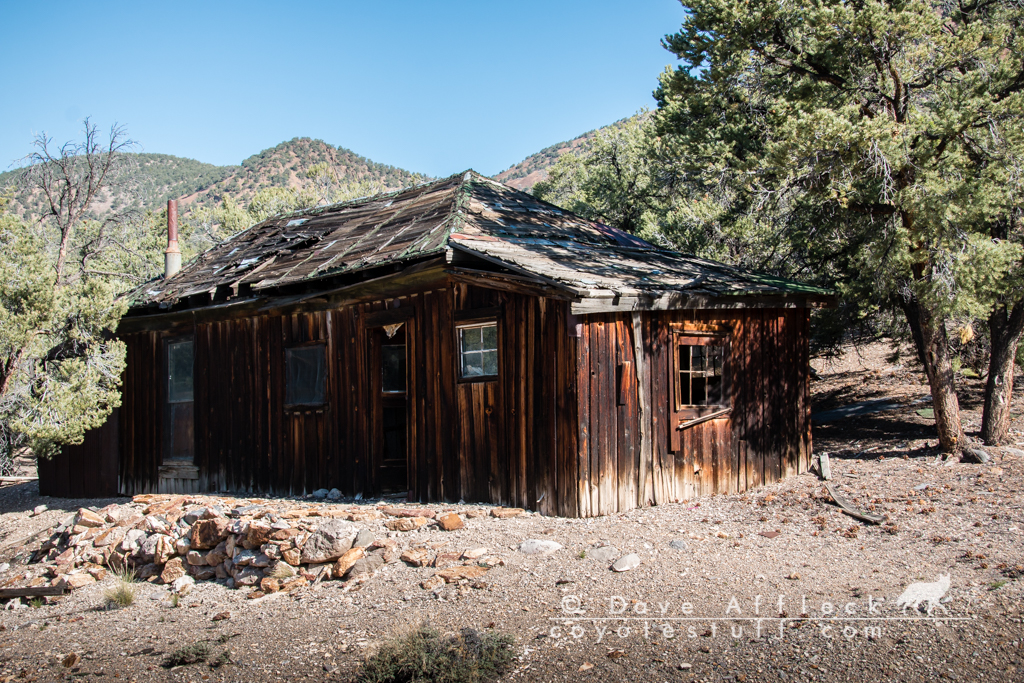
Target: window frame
(478, 324)
(692, 413)
(169, 407)
(322, 345)
(168, 343)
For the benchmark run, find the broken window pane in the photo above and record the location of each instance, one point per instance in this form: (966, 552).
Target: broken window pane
(700, 378)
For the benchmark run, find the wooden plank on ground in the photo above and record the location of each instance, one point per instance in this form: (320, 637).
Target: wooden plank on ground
(31, 592)
(850, 509)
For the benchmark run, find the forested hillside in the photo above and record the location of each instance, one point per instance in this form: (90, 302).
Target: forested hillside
(534, 168)
(161, 177)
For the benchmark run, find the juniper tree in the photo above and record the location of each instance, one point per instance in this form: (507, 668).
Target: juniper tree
(60, 365)
(880, 136)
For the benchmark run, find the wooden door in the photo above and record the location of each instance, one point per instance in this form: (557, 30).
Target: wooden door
(389, 410)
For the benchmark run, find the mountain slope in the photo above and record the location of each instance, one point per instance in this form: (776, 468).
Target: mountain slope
(534, 168)
(161, 177)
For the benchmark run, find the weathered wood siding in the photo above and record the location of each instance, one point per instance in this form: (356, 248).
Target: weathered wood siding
(509, 441)
(765, 437)
(577, 423)
(85, 470)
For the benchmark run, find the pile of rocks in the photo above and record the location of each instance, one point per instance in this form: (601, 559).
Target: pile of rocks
(269, 546)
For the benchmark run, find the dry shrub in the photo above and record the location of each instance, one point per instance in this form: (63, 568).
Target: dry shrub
(425, 655)
(123, 592)
(190, 654)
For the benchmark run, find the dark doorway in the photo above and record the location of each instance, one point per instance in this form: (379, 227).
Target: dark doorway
(390, 409)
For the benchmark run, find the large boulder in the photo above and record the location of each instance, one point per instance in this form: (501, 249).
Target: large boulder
(218, 554)
(366, 565)
(332, 540)
(346, 561)
(87, 518)
(173, 570)
(207, 533)
(163, 550)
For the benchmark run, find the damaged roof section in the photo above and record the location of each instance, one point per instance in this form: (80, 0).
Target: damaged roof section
(493, 226)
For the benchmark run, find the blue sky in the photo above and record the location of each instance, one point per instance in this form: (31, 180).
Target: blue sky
(434, 87)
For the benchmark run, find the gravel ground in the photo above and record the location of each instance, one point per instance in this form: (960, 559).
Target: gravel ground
(717, 593)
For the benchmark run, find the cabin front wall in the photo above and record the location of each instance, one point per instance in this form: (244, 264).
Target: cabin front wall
(577, 422)
(496, 441)
(627, 456)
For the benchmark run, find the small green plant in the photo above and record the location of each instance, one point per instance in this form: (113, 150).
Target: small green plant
(175, 599)
(123, 592)
(35, 603)
(996, 585)
(425, 655)
(190, 654)
(583, 554)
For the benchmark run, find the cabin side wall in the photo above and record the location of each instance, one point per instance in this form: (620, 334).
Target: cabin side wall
(626, 457)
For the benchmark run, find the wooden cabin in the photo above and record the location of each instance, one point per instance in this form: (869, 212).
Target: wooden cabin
(458, 341)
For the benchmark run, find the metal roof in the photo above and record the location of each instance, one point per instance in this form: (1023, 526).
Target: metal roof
(468, 213)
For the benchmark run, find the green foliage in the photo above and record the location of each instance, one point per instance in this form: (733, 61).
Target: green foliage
(59, 364)
(877, 141)
(190, 654)
(549, 156)
(197, 653)
(614, 181)
(425, 655)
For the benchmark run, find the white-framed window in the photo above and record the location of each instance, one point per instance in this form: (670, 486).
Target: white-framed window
(478, 350)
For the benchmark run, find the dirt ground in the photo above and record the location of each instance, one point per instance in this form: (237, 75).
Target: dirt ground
(816, 599)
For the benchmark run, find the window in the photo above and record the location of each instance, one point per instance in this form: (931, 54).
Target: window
(392, 363)
(306, 378)
(700, 377)
(478, 350)
(179, 414)
(179, 371)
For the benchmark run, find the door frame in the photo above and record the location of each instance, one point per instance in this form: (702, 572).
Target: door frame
(372, 332)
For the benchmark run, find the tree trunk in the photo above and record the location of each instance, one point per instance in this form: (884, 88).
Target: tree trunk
(939, 367)
(1006, 331)
(910, 308)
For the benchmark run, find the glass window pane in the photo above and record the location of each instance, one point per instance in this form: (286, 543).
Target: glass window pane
(472, 364)
(715, 390)
(479, 351)
(393, 368)
(472, 339)
(716, 358)
(305, 382)
(697, 355)
(490, 362)
(684, 389)
(179, 371)
(490, 337)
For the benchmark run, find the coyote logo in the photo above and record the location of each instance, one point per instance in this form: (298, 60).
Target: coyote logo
(927, 593)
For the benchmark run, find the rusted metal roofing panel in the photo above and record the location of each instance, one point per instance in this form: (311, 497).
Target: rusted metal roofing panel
(466, 212)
